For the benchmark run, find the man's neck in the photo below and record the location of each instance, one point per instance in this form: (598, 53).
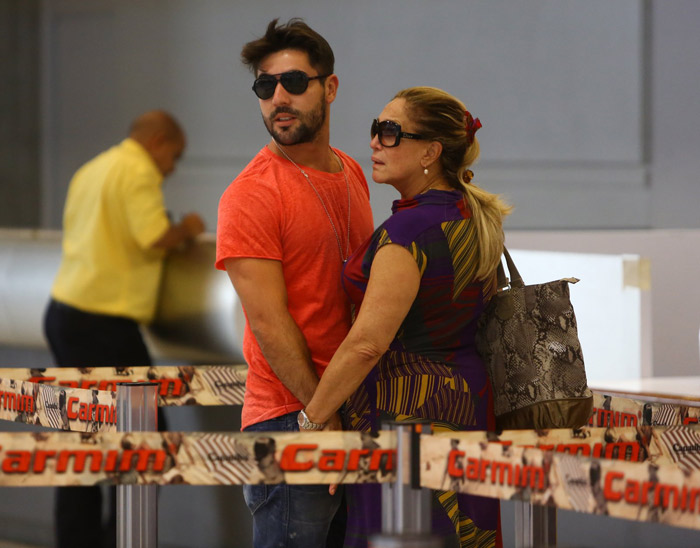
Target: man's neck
(316, 154)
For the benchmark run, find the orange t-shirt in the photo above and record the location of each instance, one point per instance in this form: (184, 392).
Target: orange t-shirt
(270, 211)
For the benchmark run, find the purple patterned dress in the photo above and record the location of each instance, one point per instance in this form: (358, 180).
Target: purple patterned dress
(431, 370)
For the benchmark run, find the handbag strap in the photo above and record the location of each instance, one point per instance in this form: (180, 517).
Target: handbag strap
(515, 277)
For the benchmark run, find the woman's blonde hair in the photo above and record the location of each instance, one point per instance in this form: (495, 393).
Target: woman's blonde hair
(439, 116)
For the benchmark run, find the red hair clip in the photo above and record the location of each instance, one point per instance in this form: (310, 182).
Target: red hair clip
(471, 125)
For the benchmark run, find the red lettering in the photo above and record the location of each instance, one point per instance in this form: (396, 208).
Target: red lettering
(632, 492)
(621, 450)
(83, 413)
(608, 491)
(111, 462)
(454, 465)
(483, 470)
(178, 387)
(574, 448)
(69, 408)
(289, 456)
(646, 486)
(144, 455)
(79, 456)
(331, 460)
(693, 496)
(16, 462)
(110, 386)
(504, 468)
(40, 457)
(354, 458)
(472, 472)
(662, 495)
(41, 380)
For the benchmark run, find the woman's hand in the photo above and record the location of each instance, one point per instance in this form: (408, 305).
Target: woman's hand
(334, 424)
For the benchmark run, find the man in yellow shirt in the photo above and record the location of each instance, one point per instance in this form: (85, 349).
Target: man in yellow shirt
(115, 234)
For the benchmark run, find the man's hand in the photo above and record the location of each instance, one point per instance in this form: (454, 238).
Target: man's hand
(192, 224)
(189, 228)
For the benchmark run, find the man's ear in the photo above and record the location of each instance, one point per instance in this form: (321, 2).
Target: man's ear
(331, 84)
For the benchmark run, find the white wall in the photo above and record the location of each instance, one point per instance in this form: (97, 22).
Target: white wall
(558, 85)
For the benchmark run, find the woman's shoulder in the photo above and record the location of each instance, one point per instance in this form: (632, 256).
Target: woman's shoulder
(407, 225)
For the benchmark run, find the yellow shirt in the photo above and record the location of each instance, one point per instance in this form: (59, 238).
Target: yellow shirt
(114, 212)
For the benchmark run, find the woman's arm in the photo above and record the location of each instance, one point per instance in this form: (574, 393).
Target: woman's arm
(391, 290)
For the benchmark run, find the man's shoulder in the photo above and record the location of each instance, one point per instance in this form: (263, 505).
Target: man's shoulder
(259, 180)
(124, 161)
(262, 168)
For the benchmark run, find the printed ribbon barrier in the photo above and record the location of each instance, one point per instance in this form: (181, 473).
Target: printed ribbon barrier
(678, 446)
(225, 385)
(186, 385)
(57, 407)
(664, 488)
(618, 411)
(320, 457)
(637, 491)
(33, 459)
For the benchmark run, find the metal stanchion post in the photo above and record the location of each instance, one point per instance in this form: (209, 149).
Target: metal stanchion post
(137, 510)
(535, 526)
(406, 507)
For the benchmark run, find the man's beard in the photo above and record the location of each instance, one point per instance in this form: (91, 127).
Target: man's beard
(305, 131)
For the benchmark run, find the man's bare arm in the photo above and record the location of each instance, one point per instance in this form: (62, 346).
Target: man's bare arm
(260, 285)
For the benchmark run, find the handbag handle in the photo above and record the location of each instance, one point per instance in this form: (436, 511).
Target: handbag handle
(515, 278)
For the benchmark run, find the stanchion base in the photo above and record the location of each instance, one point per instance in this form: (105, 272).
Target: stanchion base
(406, 540)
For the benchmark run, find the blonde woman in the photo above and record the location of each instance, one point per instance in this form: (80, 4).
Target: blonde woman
(419, 285)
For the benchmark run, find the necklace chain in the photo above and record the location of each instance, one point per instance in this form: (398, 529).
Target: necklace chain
(343, 258)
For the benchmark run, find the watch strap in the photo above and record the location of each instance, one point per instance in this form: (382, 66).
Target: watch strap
(306, 424)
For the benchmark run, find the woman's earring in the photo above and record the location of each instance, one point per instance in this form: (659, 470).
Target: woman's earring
(425, 171)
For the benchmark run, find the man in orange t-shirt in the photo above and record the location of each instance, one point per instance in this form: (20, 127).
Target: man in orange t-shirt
(286, 226)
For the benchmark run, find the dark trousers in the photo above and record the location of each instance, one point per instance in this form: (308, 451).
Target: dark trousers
(82, 339)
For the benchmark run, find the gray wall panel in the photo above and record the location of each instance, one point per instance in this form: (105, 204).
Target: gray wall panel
(558, 86)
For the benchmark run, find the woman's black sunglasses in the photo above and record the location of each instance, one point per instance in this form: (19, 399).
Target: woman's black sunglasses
(390, 133)
(294, 81)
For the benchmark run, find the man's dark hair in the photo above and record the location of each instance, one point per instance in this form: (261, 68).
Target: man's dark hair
(295, 34)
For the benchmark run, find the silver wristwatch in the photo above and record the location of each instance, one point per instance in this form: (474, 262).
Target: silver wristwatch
(306, 424)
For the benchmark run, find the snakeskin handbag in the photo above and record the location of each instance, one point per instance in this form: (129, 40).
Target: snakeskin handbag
(528, 339)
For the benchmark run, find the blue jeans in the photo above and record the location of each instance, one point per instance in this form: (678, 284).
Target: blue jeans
(289, 516)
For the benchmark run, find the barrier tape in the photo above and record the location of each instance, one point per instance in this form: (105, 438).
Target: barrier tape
(181, 385)
(40, 459)
(669, 445)
(56, 407)
(619, 411)
(225, 385)
(631, 490)
(325, 457)
(651, 491)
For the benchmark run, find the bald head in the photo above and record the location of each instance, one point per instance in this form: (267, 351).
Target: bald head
(162, 137)
(155, 122)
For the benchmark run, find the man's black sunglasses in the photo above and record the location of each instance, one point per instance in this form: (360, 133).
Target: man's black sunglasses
(294, 81)
(390, 133)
